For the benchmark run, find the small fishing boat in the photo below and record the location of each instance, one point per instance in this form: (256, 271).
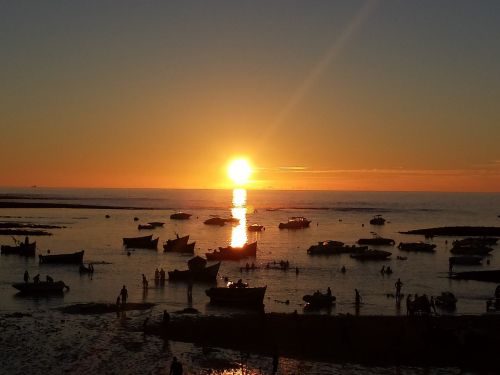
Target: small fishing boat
(377, 220)
(197, 271)
(237, 296)
(296, 222)
(319, 300)
(233, 253)
(25, 248)
(417, 246)
(474, 241)
(146, 242)
(376, 241)
(41, 287)
(180, 216)
(471, 250)
(488, 276)
(334, 248)
(372, 254)
(466, 260)
(73, 258)
(255, 228)
(215, 221)
(145, 226)
(177, 245)
(156, 224)
(447, 301)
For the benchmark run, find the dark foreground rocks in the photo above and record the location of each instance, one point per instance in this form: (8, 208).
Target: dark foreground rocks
(466, 341)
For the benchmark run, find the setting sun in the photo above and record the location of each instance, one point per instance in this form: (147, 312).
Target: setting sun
(239, 171)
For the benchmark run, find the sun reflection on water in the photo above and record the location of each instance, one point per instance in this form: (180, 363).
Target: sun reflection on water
(239, 211)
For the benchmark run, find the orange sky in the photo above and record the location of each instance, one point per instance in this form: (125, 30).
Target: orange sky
(361, 95)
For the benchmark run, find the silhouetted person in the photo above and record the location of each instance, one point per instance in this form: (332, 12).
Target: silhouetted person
(433, 305)
(118, 302)
(124, 295)
(144, 282)
(450, 265)
(49, 279)
(398, 284)
(26, 276)
(36, 279)
(408, 304)
(162, 275)
(190, 292)
(357, 298)
(166, 318)
(388, 270)
(382, 271)
(329, 292)
(26, 241)
(176, 367)
(157, 275)
(296, 270)
(343, 269)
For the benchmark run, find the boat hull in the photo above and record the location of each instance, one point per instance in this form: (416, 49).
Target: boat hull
(74, 258)
(207, 274)
(22, 249)
(177, 245)
(145, 242)
(41, 287)
(488, 276)
(237, 296)
(233, 253)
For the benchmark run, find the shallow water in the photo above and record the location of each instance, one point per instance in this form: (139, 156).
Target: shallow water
(338, 216)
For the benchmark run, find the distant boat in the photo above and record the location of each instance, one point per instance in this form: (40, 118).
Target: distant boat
(73, 258)
(177, 245)
(197, 271)
(146, 242)
(180, 216)
(376, 241)
(41, 287)
(334, 248)
(215, 221)
(372, 254)
(156, 224)
(237, 296)
(489, 276)
(377, 220)
(476, 241)
(417, 246)
(296, 222)
(233, 253)
(255, 228)
(319, 300)
(466, 260)
(25, 248)
(145, 226)
(471, 250)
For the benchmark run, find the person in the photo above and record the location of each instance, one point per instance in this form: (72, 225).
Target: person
(162, 274)
(26, 276)
(36, 279)
(247, 266)
(144, 282)
(190, 292)
(124, 295)
(408, 304)
(157, 275)
(398, 284)
(176, 367)
(450, 265)
(166, 318)
(118, 302)
(49, 279)
(91, 268)
(382, 271)
(388, 270)
(343, 269)
(296, 270)
(357, 299)
(329, 292)
(433, 305)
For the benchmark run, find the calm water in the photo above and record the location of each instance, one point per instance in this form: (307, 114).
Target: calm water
(334, 215)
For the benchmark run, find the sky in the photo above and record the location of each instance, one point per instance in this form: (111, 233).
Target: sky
(337, 95)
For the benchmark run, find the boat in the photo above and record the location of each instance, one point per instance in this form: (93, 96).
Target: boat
(334, 248)
(145, 226)
(156, 224)
(177, 245)
(215, 221)
(376, 241)
(73, 258)
(41, 287)
(377, 220)
(255, 228)
(197, 271)
(372, 254)
(237, 296)
(417, 246)
(296, 222)
(146, 242)
(25, 248)
(233, 253)
(319, 300)
(476, 241)
(466, 260)
(180, 216)
(489, 276)
(471, 250)
(446, 300)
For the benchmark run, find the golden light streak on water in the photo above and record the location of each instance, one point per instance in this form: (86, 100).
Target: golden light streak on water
(239, 211)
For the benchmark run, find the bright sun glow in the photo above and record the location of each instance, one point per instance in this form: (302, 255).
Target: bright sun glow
(239, 171)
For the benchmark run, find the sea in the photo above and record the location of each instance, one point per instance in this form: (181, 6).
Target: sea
(38, 338)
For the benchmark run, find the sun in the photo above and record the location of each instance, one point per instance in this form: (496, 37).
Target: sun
(239, 171)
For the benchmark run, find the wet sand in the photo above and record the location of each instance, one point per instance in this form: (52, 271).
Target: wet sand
(465, 341)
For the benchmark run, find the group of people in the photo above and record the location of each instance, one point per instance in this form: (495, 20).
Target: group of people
(36, 278)
(121, 300)
(420, 304)
(159, 275)
(386, 271)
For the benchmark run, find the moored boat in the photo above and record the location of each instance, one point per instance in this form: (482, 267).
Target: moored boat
(484, 241)
(197, 271)
(177, 245)
(417, 246)
(25, 248)
(466, 260)
(41, 287)
(471, 249)
(146, 242)
(296, 222)
(156, 224)
(233, 253)
(376, 241)
(237, 296)
(145, 226)
(73, 258)
(180, 216)
(372, 254)
(488, 276)
(215, 221)
(255, 228)
(377, 220)
(334, 248)
(319, 300)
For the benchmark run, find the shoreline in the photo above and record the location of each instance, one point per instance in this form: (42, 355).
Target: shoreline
(72, 205)
(465, 341)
